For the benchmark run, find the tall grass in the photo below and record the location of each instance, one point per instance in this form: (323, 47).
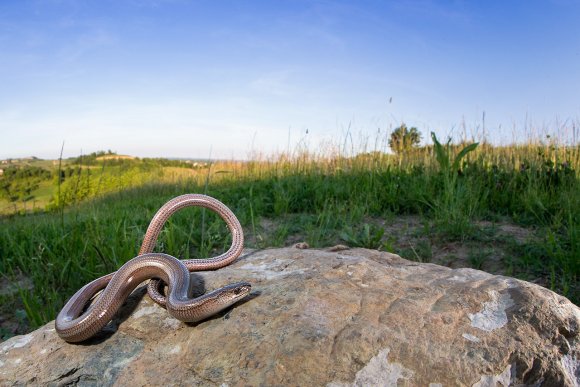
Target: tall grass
(324, 198)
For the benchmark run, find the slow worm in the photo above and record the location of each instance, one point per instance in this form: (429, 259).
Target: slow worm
(75, 324)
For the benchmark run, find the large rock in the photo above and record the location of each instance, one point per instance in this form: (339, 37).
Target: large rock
(347, 318)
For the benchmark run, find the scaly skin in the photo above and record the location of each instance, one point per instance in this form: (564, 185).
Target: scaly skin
(73, 325)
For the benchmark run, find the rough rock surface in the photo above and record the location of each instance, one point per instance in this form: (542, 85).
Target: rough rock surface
(345, 318)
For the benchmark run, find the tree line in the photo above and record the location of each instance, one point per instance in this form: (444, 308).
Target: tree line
(18, 183)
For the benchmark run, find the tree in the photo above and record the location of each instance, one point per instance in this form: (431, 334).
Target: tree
(404, 139)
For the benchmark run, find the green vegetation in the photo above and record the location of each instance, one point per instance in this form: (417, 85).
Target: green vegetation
(458, 194)
(19, 183)
(38, 185)
(404, 139)
(452, 209)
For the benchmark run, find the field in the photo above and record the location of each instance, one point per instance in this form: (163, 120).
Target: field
(507, 210)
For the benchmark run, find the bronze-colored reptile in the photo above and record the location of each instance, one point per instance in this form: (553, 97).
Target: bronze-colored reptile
(74, 325)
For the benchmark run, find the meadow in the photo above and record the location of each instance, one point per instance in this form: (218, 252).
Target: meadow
(510, 210)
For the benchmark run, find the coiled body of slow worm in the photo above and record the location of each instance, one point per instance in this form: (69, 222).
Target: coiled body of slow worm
(175, 205)
(74, 325)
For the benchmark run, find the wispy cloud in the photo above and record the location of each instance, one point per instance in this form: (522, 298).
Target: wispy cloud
(156, 3)
(85, 42)
(277, 83)
(455, 11)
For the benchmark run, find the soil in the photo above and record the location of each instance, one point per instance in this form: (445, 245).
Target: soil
(414, 238)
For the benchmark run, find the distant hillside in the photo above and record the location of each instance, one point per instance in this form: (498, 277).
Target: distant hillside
(115, 157)
(31, 184)
(19, 160)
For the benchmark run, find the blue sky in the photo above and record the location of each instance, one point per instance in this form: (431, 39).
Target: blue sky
(178, 78)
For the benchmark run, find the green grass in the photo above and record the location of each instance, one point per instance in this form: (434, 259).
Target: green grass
(319, 199)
